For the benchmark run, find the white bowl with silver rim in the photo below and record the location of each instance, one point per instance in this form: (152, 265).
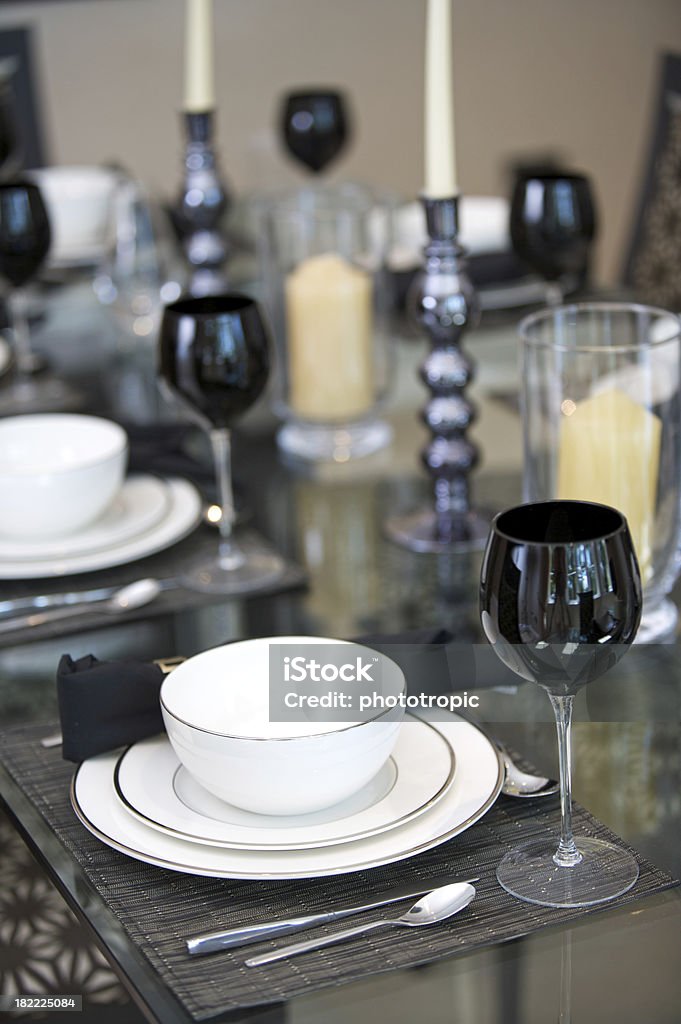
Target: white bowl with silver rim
(216, 710)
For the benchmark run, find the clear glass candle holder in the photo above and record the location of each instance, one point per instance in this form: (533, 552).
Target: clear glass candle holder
(322, 255)
(601, 406)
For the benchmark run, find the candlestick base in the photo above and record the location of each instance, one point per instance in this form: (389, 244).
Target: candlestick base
(421, 531)
(333, 443)
(443, 303)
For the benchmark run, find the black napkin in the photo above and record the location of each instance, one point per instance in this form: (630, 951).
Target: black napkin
(109, 704)
(106, 704)
(162, 448)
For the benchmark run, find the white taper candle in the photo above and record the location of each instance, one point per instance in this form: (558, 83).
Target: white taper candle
(199, 84)
(440, 162)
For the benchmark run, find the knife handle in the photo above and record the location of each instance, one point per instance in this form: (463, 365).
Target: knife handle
(213, 941)
(48, 615)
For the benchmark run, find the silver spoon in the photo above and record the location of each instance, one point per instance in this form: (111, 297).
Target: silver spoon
(133, 595)
(438, 905)
(518, 783)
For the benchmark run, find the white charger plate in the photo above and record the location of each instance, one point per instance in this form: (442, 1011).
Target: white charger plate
(476, 785)
(154, 786)
(181, 517)
(142, 502)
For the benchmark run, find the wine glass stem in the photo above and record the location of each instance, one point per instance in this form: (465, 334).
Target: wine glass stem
(22, 336)
(230, 554)
(567, 854)
(554, 294)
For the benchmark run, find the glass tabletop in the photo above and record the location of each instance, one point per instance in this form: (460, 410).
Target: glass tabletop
(616, 965)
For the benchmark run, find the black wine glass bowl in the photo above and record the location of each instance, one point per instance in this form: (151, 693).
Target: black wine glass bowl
(315, 126)
(560, 591)
(214, 355)
(24, 232)
(553, 223)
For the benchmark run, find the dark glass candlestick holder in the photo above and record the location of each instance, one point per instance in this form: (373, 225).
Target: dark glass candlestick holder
(200, 208)
(444, 304)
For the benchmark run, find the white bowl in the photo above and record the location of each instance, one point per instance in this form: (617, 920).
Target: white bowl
(58, 472)
(215, 708)
(79, 205)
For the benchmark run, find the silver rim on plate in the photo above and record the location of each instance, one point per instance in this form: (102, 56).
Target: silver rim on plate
(426, 802)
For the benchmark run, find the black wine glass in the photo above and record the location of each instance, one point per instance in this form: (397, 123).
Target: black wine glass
(25, 238)
(314, 126)
(560, 601)
(214, 361)
(553, 223)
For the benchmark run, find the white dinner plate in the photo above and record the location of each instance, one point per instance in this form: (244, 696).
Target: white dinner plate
(476, 785)
(154, 786)
(142, 502)
(180, 518)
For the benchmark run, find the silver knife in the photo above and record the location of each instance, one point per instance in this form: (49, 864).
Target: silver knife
(212, 942)
(40, 601)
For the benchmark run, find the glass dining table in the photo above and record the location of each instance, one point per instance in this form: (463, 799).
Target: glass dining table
(617, 964)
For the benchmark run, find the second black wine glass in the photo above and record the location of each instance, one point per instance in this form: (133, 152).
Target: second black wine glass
(553, 223)
(25, 238)
(314, 126)
(214, 361)
(560, 601)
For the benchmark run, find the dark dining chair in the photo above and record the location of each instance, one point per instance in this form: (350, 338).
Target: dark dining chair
(652, 267)
(19, 76)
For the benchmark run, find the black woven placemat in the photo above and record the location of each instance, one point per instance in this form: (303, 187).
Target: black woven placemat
(166, 565)
(159, 908)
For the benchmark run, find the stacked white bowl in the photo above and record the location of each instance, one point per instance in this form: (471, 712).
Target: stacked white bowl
(79, 205)
(58, 473)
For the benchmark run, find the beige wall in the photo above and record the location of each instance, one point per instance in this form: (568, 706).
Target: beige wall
(577, 75)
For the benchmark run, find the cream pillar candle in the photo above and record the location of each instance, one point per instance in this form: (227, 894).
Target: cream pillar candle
(610, 453)
(329, 333)
(440, 161)
(199, 85)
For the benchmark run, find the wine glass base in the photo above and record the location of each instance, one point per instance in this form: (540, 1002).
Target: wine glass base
(530, 873)
(658, 623)
(325, 443)
(418, 531)
(256, 570)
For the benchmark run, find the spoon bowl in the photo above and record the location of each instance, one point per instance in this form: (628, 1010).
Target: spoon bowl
(133, 595)
(522, 785)
(437, 905)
